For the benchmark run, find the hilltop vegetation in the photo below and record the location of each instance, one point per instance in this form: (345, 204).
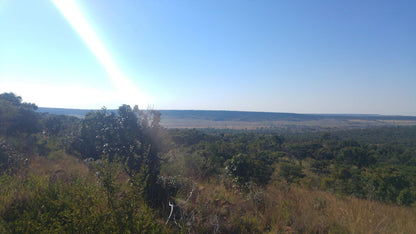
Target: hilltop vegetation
(122, 172)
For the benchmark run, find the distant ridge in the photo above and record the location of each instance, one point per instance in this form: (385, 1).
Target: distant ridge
(245, 116)
(64, 111)
(266, 116)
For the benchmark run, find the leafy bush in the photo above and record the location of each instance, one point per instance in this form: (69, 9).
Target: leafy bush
(290, 172)
(244, 168)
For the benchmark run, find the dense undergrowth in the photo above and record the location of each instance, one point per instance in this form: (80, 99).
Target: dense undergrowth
(67, 202)
(122, 173)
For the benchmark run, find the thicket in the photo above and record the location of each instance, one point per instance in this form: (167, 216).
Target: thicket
(118, 193)
(120, 171)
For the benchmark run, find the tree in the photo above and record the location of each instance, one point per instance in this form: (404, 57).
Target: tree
(386, 184)
(98, 135)
(17, 117)
(354, 155)
(131, 136)
(320, 166)
(291, 172)
(244, 168)
(240, 168)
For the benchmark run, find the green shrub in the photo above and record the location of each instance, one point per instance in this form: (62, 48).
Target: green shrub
(290, 172)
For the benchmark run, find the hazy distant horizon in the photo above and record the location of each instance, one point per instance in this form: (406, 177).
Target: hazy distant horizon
(219, 110)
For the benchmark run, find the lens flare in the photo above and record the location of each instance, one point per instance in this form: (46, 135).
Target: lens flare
(126, 90)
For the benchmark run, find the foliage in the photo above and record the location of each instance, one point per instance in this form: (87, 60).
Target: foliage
(244, 168)
(291, 173)
(116, 171)
(70, 206)
(16, 116)
(130, 137)
(11, 160)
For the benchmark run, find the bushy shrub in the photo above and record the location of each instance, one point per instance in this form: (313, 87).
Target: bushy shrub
(290, 172)
(244, 168)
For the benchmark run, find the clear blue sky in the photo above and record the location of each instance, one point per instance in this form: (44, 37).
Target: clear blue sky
(276, 56)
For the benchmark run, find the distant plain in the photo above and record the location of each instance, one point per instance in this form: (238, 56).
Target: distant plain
(240, 120)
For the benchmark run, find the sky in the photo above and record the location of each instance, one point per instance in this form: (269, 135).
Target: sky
(275, 56)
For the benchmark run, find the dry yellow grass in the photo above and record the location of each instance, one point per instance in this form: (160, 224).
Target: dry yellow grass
(63, 165)
(311, 211)
(362, 216)
(281, 208)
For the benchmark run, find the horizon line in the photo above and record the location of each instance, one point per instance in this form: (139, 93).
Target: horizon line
(247, 111)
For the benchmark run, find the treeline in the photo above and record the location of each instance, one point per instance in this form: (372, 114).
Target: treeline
(120, 171)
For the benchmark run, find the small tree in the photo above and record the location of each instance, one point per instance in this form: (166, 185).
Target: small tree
(290, 172)
(16, 116)
(244, 168)
(405, 197)
(131, 136)
(240, 168)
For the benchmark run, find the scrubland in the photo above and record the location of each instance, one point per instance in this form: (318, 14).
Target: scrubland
(123, 173)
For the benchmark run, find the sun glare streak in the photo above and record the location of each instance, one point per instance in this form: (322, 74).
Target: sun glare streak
(126, 90)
